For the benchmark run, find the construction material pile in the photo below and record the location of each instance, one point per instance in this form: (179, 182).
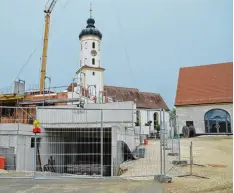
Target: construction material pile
(86, 169)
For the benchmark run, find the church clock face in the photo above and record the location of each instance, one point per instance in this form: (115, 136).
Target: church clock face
(93, 52)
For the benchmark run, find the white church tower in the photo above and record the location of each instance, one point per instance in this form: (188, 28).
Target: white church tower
(90, 74)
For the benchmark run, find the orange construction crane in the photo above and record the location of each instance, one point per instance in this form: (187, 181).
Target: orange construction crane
(47, 11)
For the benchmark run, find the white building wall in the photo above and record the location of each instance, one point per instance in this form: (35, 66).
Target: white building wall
(94, 79)
(196, 114)
(86, 48)
(148, 115)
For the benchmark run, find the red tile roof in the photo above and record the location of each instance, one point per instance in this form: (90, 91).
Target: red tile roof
(206, 84)
(143, 99)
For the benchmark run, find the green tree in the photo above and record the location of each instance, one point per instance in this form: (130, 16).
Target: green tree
(172, 113)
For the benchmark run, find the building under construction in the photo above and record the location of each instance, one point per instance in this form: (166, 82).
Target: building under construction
(70, 114)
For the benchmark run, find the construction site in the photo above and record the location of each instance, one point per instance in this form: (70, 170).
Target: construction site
(88, 132)
(86, 128)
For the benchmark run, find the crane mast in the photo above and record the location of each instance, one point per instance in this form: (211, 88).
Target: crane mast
(47, 11)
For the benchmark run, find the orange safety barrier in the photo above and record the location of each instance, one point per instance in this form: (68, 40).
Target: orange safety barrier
(146, 142)
(2, 163)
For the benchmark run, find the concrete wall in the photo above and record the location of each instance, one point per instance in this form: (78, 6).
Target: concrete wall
(19, 136)
(196, 114)
(71, 116)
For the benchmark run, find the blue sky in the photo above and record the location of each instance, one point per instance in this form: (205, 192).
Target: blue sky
(144, 42)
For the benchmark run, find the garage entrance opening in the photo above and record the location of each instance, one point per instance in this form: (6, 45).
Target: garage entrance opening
(78, 151)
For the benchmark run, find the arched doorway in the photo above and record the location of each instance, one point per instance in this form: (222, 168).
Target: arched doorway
(217, 121)
(156, 123)
(138, 118)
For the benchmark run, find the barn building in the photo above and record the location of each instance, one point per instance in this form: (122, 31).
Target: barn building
(204, 99)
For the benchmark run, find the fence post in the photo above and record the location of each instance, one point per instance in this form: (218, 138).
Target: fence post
(191, 158)
(164, 145)
(35, 149)
(179, 147)
(101, 142)
(17, 147)
(162, 177)
(161, 162)
(172, 145)
(35, 155)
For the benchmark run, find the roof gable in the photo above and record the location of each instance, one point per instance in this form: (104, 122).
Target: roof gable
(206, 84)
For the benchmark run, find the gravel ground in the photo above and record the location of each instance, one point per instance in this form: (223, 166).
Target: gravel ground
(150, 164)
(213, 154)
(208, 151)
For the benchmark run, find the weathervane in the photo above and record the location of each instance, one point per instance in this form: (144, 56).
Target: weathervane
(90, 10)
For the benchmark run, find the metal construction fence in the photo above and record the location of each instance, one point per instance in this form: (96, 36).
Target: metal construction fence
(81, 143)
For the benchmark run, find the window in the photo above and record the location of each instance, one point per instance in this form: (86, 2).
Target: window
(86, 45)
(99, 47)
(80, 62)
(217, 121)
(93, 61)
(85, 61)
(99, 62)
(81, 46)
(7, 112)
(93, 45)
(189, 123)
(33, 142)
(93, 73)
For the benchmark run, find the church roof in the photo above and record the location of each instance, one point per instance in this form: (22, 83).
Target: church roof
(207, 84)
(90, 29)
(145, 100)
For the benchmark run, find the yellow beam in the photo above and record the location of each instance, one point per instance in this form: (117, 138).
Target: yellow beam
(9, 97)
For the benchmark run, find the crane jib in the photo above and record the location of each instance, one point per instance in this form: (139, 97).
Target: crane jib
(45, 45)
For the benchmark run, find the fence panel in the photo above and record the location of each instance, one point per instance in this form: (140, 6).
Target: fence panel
(139, 155)
(81, 143)
(171, 147)
(70, 143)
(72, 152)
(15, 142)
(185, 155)
(110, 139)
